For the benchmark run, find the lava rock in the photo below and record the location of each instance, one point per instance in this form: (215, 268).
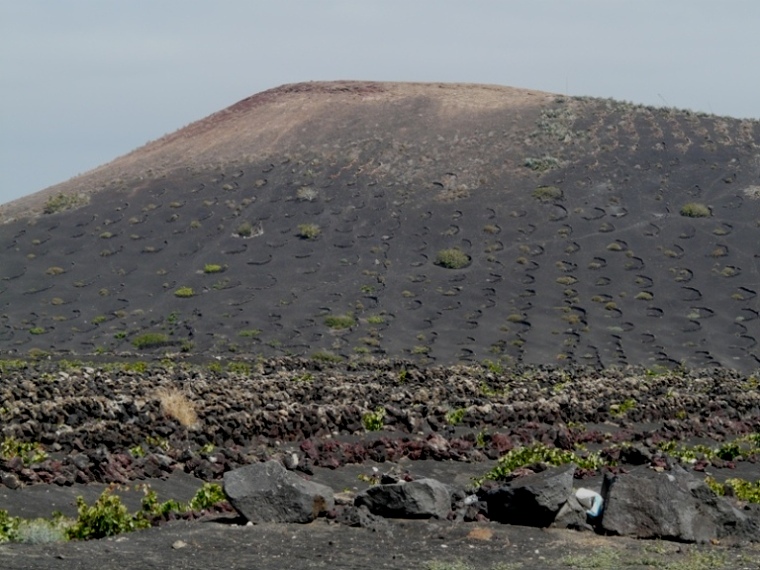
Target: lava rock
(423, 498)
(670, 505)
(361, 517)
(267, 492)
(533, 500)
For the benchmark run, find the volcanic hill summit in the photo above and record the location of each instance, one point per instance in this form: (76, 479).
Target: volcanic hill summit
(439, 222)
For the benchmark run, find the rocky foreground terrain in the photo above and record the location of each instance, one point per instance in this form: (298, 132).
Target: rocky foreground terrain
(177, 424)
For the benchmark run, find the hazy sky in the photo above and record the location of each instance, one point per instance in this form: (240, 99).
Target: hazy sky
(84, 81)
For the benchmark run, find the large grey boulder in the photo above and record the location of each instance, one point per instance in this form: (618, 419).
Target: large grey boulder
(423, 498)
(670, 505)
(533, 500)
(267, 492)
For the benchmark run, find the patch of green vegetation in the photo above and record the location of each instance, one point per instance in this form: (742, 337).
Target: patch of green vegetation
(373, 421)
(98, 319)
(548, 194)
(108, 516)
(540, 453)
(55, 270)
(740, 488)
(376, 319)
(644, 296)
(249, 333)
(309, 231)
(207, 496)
(150, 340)
(184, 292)
(236, 367)
(542, 164)
(455, 417)
(244, 230)
(61, 202)
(35, 531)
(695, 210)
(340, 322)
(742, 447)
(452, 258)
(213, 268)
(326, 356)
(37, 330)
(621, 409)
(603, 558)
(28, 452)
(494, 366)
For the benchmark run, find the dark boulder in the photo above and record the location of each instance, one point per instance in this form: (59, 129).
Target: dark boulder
(670, 505)
(267, 492)
(423, 498)
(533, 500)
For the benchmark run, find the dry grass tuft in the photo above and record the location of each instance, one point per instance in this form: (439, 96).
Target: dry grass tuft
(480, 533)
(176, 405)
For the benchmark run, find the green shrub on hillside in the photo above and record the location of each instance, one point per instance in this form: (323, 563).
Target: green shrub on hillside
(695, 210)
(244, 230)
(213, 268)
(150, 340)
(452, 258)
(184, 292)
(61, 202)
(340, 321)
(547, 194)
(309, 231)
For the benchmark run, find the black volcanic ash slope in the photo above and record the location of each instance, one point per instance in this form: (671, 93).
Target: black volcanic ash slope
(312, 218)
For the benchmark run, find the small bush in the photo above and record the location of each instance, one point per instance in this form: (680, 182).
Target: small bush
(542, 164)
(695, 210)
(150, 340)
(107, 517)
(326, 356)
(309, 231)
(340, 321)
(213, 268)
(452, 258)
(455, 417)
(28, 452)
(373, 421)
(249, 333)
(37, 330)
(207, 496)
(548, 194)
(184, 292)
(61, 202)
(55, 270)
(41, 531)
(307, 194)
(244, 230)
